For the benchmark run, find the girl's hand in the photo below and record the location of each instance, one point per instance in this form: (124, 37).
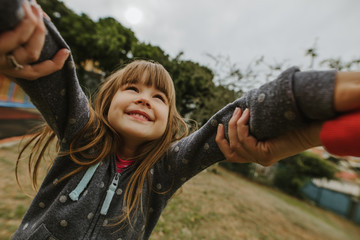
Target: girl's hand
(22, 46)
(244, 148)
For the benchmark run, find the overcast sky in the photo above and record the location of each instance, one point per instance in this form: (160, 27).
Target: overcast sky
(243, 30)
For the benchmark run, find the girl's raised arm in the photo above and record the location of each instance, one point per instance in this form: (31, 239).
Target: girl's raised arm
(276, 108)
(35, 50)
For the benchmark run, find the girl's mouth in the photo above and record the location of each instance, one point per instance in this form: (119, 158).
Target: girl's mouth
(139, 115)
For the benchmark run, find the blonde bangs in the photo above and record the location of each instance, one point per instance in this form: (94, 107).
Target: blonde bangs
(150, 74)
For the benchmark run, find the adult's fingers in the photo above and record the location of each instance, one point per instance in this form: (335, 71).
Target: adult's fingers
(242, 128)
(221, 140)
(49, 66)
(247, 142)
(32, 72)
(230, 154)
(10, 40)
(232, 127)
(31, 51)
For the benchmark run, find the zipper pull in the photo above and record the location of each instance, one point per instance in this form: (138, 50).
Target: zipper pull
(110, 194)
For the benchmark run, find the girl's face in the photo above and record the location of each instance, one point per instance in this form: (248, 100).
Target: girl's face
(139, 113)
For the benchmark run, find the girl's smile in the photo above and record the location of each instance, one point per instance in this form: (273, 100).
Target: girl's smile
(139, 113)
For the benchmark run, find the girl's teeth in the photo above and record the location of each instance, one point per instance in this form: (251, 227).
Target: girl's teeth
(140, 116)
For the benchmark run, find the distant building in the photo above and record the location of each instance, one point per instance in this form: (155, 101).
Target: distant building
(340, 197)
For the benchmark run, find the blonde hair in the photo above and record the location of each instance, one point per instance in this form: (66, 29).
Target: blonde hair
(101, 136)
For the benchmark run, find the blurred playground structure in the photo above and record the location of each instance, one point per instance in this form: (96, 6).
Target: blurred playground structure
(17, 114)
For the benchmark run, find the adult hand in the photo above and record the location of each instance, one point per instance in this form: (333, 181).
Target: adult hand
(244, 148)
(347, 91)
(22, 46)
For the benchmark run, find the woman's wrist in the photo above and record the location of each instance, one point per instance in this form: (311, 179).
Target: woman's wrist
(347, 91)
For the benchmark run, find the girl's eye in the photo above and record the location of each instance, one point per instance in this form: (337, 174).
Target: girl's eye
(160, 97)
(132, 88)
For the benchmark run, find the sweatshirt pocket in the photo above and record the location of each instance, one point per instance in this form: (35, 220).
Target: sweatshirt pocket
(41, 233)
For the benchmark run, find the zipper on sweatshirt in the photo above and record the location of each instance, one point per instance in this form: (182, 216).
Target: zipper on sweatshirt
(97, 224)
(110, 194)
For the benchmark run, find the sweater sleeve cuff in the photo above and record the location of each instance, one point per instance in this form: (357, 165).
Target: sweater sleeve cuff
(318, 104)
(273, 108)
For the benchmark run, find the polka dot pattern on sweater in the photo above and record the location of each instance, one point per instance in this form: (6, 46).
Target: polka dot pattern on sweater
(214, 122)
(25, 226)
(63, 199)
(261, 97)
(90, 216)
(63, 223)
(206, 146)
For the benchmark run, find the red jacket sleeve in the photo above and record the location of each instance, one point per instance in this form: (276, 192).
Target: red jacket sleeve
(341, 136)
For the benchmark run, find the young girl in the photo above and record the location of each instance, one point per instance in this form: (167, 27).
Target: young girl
(121, 161)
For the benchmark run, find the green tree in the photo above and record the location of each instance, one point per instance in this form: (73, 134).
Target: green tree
(221, 95)
(77, 30)
(295, 171)
(193, 84)
(150, 52)
(106, 42)
(245, 169)
(113, 44)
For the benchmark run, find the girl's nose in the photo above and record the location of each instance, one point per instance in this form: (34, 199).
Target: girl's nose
(144, 102)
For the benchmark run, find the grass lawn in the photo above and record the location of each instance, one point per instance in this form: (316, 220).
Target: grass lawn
(216, 204)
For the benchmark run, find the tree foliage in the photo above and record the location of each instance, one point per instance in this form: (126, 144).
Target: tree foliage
(150, 52)
(193, 85)
(106, 41)
(77, 30)
(295, 171)
(113, 44)
(245, 169)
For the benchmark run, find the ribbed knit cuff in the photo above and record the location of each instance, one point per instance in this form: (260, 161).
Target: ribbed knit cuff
(273, 110)
(314, 94)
